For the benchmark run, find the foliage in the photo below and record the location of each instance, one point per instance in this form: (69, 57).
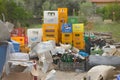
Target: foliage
(110, 12)
(46, 5)
(86, 8)
(13, 12)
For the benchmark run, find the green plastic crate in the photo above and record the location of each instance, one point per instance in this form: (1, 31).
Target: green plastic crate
(72, 20)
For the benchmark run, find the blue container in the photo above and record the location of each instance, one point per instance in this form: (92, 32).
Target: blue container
(67, 28)
(3, 52)
(118, 77)
(16, 46)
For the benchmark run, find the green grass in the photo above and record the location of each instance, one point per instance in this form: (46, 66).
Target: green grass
(36, 26)
(111, 27)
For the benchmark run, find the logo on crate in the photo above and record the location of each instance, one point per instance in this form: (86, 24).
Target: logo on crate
(34, 39)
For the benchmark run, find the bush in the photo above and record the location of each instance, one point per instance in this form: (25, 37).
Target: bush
(111, 11)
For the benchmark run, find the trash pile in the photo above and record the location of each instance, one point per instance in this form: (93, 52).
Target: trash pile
(64, 55)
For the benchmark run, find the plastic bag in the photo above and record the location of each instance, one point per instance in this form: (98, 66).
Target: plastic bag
(51, 75)
(19, 56)
(5, 30)
(44, 46)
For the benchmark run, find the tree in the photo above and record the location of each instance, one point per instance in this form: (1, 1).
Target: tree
(110, 12)
(13, 12)
(46, 5)
(87, 9)
(53, 6)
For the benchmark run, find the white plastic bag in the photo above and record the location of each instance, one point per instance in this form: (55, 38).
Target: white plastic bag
(19, 56)
(46, 60)
(51, 75)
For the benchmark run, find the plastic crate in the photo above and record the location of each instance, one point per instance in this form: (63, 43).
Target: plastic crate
(77, 36)
(50, 27)
(21, 40)
(63, 19)
(16, 46)
(80, 45)
(73, 20)
(18, 32)
(51, 17)
(3, 53)
(78, 27)
(66, 37)
(67, 28)
(48, 38)
(62, 11)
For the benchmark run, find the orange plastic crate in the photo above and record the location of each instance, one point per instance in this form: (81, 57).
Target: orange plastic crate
(21, 40)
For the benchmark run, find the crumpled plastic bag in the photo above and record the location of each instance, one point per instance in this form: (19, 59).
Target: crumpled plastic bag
(51, 75)
(19, 56)
(46, 59)
(44, 46)
(66, 46)
(60, 50)
(5, 29)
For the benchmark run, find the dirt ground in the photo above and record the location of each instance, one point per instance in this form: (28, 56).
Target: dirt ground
(64, 75)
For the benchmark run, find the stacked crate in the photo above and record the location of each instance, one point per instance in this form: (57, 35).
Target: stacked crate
(62, 18)
(50, 26)
(19, 35)
(67, 33)
(50, 32)
(78, 36)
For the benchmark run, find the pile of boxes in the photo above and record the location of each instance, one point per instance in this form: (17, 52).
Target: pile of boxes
(57, 28)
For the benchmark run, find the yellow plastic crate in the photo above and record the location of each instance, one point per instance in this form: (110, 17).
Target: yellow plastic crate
(48, 38)
(66, 38)
(77, 36)
(67, 42)
(63, 19)
(50, 27)
(63, 11)
(78, 27)
(21, 40)
(63, 15)
(50, 30)
(51, 35)
(79, 44)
